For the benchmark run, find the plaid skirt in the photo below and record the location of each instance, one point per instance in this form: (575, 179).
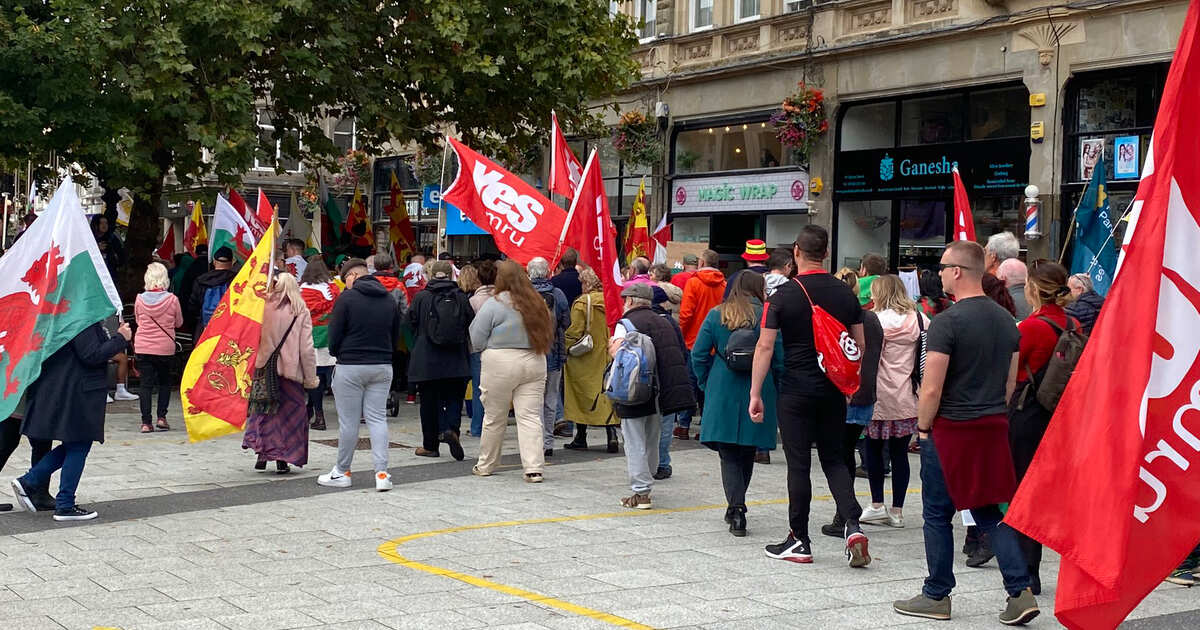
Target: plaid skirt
(888, 429)
(283, 435)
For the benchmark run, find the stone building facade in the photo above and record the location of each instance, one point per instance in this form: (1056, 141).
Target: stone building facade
(1015, 92)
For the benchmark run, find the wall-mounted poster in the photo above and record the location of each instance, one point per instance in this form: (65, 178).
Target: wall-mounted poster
(1126, 164)
(1090, 152)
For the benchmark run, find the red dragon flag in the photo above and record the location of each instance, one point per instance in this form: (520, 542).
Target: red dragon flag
(565, 170)
(1113, 487)
(231, 230)
(252, 218)
(215, 389)
(590, 231)
(964, 223)
(524, 223)
(53, 284)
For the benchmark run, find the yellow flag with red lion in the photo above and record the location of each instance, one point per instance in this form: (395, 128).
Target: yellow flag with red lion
(216, 382)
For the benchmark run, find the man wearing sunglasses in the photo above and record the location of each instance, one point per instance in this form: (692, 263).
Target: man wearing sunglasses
(966, 464)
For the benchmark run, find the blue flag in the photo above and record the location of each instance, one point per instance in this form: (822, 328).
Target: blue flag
(1095, 247)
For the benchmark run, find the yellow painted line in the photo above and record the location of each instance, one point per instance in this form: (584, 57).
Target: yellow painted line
(390, 551)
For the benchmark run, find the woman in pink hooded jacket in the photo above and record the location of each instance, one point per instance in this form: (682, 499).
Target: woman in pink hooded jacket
(895, 417)
(157, 314)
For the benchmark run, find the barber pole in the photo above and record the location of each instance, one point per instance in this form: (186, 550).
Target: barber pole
(1033, 206)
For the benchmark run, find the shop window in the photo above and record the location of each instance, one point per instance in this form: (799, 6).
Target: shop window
(931, 120)
(1112, 104)
(994, 215)
(689, 229)
(1001, 113)
(864, 227)
(869, 127)
(728, 148)
(745, 10)
(701, 14)
(1111, 117)
(782, 229)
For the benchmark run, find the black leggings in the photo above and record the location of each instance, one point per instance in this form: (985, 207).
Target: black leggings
(10, 438)
(737, 466)
(898, 449)
(802, 421)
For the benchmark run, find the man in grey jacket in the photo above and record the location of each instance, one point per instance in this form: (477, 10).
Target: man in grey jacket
(1014, 273)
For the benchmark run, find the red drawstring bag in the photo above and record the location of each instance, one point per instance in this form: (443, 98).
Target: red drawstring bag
(837, 353)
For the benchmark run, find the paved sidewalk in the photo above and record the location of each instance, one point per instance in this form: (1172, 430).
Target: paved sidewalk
(190, 537)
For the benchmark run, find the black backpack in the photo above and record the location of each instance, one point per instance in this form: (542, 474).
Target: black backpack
(447, 322)
(1060, 367)
(739, 350)
(551, 303)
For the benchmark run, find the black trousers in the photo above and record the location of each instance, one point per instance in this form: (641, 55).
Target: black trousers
(897, 448)
(10, 438)
(441, 408)
(802, 421)
(156, 377)
(1026, 426)
(737, 466)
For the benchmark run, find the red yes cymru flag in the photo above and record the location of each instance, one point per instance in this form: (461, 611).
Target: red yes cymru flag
(524, 223)
(1113, 487)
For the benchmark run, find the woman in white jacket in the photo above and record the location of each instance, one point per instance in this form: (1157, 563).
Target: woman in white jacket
(895, 418)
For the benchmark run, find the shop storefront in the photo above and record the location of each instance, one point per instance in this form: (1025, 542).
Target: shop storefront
(732, 181)
(425, 221)
(893, 187)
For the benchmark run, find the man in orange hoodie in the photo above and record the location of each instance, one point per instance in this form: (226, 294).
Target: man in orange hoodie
(702, 292)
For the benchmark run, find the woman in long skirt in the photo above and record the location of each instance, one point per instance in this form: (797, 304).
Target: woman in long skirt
(282, 436)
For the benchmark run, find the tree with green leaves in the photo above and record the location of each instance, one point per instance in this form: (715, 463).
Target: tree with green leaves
(143, 92)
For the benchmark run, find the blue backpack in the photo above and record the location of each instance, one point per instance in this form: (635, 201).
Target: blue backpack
(631, 378)
(212, 299)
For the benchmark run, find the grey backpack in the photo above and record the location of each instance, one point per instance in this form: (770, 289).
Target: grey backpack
(631, 378)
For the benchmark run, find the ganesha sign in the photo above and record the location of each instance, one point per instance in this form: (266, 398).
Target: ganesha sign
(771, 191)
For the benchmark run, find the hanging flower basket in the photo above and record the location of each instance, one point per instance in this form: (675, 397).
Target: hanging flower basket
(354, 168)
(800, 122)
(636, 141)
(427, 167)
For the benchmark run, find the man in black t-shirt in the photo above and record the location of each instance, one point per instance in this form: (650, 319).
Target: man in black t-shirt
(966, 464)
(810, 409)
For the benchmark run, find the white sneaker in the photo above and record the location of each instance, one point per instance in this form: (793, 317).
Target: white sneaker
(876, 515)
(383, 481)
(110, 399)
(123, 394)
(895, 520)
(334, 479)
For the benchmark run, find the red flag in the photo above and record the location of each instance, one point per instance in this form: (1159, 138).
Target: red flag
(257, 227)
(524, 223)
(1112, 487)
(591, 232)
(166, 251)
(964, 223)
(661, 236)
(565, 170)
(264, 213)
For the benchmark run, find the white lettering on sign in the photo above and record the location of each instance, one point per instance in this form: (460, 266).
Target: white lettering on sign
(520, 211)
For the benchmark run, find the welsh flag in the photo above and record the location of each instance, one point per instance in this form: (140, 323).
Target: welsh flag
(231, 230)
(53, 284)
(215, 389)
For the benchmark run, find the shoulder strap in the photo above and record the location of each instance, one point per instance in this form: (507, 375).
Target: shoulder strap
(589, 312)
(284, 337)
(803, 288)
(1057, 329)
(920, 319)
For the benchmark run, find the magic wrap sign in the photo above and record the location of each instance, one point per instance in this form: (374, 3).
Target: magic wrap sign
(988, 168)
(753, 192)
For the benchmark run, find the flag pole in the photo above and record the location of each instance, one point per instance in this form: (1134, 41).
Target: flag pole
(1071, 229)
(571, 212)
(441, 189)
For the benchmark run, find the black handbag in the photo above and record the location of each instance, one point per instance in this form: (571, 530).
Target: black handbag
(264, 386)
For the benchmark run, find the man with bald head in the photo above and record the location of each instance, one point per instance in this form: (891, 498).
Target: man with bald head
(1013, 273)
(966, 464)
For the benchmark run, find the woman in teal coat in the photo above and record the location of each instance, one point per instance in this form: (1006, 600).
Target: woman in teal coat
(726, 426)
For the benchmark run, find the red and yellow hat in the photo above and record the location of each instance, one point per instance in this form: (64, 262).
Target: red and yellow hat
(756, 251)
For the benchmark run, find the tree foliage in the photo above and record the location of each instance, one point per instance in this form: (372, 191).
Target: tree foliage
(136, 90)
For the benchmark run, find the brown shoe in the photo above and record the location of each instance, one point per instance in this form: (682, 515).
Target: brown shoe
(681, 433)
(422, 452)
(637, 502)
(762, 458)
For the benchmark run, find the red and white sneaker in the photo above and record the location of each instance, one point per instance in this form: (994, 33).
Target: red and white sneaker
(383, 481)
(856, 549)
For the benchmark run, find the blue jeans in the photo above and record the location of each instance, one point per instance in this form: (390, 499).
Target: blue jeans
(316, 397)
(476, 404)
(938, 509)
(69, 457)
(685, 419)
(664, 440)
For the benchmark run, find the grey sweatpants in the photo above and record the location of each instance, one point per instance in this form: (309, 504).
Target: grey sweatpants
(361, 391)
(641, 450)
(550, 407)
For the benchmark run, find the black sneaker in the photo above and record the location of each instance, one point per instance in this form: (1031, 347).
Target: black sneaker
(857, 554)
(21, 494)
(456, 449)
(548, 452)
(663, 472)
(836, 529)
(41, 499)
(792, 550)
(74, 514)
(5, 507)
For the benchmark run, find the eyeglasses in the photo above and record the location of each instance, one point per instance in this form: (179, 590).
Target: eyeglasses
(945, 266)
